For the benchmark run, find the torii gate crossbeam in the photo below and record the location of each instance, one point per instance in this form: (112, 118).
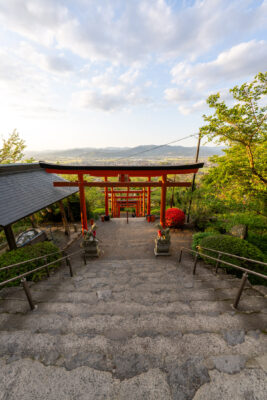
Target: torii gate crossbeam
(124, 173)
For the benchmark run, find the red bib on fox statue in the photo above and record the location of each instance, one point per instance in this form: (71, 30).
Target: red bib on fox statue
(174, 217)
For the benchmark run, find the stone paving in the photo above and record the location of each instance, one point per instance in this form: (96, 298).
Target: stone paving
(132, 326)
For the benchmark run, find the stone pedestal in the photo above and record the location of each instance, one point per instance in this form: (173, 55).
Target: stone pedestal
(91, 248)
(162, 247)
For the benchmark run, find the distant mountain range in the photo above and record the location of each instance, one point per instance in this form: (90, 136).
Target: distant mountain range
(124, 154)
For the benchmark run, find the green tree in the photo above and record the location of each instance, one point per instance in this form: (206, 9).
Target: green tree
(12, 149)
(242, 128)
(232, 182)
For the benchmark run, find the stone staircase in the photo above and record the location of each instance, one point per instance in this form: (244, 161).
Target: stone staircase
(134, 329)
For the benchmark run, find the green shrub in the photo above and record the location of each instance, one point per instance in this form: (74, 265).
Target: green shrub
(239, 247)
(197, 237)
(27, 253)
(212, 229)
(259, 240)
(224, 222)
(99, 211)
(155, 211)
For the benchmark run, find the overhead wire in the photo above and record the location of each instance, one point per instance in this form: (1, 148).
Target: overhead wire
(157, 147)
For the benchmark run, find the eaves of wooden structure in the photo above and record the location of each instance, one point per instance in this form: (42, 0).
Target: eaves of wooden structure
(24, 190)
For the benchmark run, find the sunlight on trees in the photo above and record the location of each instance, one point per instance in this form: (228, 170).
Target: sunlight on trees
(242, 126)
(238, 178)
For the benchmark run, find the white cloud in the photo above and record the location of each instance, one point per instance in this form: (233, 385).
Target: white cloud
(196, 81)
(107, 101)
(49, 61)
(233, 64)
(97, 51)
(110, 91)
(179, 94)
(123, 32)
(24, 90)
(129, 76)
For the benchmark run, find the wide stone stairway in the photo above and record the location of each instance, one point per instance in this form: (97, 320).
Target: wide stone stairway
(136, 328)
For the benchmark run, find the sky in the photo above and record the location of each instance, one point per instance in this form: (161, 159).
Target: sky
(113, 73)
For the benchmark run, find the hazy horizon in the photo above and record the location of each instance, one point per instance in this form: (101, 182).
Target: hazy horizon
(211, 145)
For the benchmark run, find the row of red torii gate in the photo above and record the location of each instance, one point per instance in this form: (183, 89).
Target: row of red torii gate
(122, 191)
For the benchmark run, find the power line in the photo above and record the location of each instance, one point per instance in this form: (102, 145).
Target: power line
(157, 147)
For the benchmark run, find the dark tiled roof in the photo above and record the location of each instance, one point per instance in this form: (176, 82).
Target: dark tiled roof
(26, 189)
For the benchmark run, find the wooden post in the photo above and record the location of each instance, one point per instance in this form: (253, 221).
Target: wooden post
(240, 290)
(64, 218)
(112, 201)
(194, 178)
(149, 198)
(144, 202)
(127, 204)
(10, 237)
(71, 217)
(33, 221)
(163, 201)
(172, 196)
(70, 214)
(106, 198)
(82, 203)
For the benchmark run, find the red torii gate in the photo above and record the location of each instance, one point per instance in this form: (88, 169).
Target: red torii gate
(124, 173)
(133, 199)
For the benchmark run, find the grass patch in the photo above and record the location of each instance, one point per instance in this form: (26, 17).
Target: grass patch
(28, 253)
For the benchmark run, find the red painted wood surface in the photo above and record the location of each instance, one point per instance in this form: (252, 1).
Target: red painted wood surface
(82, 205)
(137, 173)
(122, 184)
(163, 201)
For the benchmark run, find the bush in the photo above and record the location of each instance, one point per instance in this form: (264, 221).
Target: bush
(197, 237)
(212, 229)
(239, 247)
(259, 240)
(225, 222)
(27, 253)
(174, 217)
(98, 211)
(155, 211)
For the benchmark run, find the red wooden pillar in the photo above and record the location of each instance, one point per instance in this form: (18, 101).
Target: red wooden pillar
(106, 198)
(112, 201)
(149, 198)
(82, 203)
(144, 202)
(163, 201)
(127, 197)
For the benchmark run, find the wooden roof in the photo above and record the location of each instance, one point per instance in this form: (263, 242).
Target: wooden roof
(26, 189)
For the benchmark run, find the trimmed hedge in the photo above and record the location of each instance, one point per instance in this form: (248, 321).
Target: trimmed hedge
(197, 237)
(259, 240)
(27, 253)
(239, 247)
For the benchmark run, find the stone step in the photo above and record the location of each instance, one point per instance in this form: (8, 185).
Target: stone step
(158, 323)
(127, 355)
(145, 297)
(36, 381)
(128, 282)
(247, 304)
